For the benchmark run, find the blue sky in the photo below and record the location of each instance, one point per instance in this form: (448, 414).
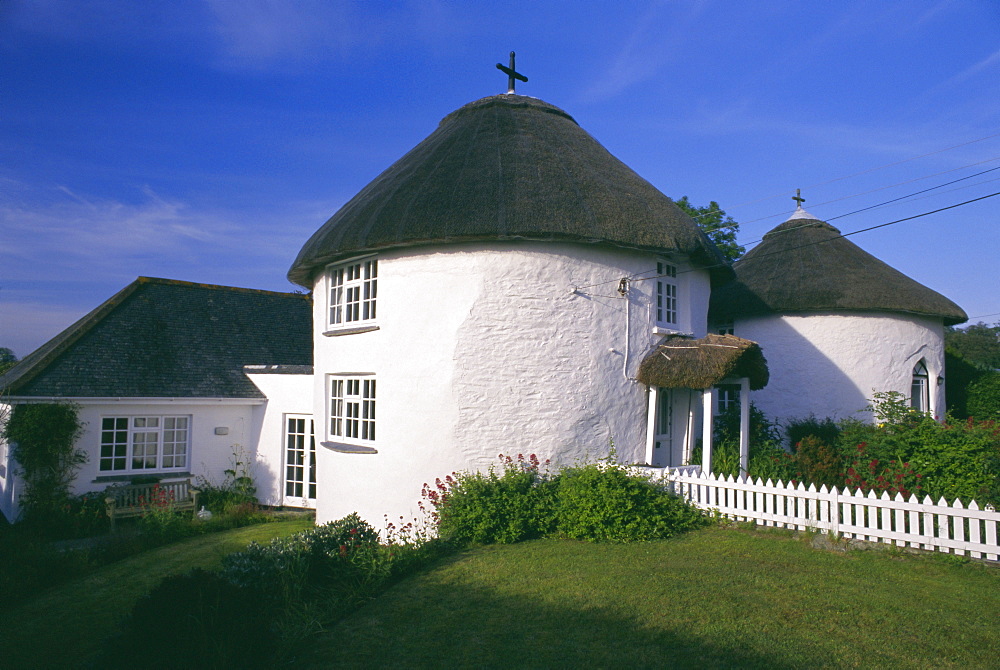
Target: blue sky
(206, 140)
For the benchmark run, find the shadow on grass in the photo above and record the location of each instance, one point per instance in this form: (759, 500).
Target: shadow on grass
(444, 625)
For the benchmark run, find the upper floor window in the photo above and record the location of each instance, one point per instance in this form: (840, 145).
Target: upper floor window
(919, 390)
(353, 289)
(134, 443)
(722, 328)
(666, 295)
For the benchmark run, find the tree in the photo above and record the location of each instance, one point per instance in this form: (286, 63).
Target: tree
(7, 359)
(979, 344)
(721, 229)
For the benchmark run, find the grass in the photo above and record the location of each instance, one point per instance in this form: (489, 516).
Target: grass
(64, 626)
(712, 598)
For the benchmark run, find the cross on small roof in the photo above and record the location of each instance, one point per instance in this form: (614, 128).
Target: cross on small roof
(798, 198)
(511, 73)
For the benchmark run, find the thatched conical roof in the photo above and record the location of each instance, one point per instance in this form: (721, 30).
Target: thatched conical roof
(502, 168)
(682, 362)
(805, 265)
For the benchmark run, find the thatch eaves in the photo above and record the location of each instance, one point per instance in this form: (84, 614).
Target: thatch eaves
(161, 338)
(682, 362)
(507, 167)
(806, 265)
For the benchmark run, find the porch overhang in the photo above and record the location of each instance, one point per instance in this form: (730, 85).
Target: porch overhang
(684, 362)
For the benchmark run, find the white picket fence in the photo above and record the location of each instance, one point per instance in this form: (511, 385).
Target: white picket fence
(905, 522)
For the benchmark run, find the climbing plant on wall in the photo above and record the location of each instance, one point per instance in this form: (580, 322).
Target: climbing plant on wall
(42, 438)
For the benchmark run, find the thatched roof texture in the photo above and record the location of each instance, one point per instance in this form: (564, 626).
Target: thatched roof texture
(507, 167)
(805, 265)
(682, 362)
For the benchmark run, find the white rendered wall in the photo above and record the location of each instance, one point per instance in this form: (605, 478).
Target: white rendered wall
(208, 454)
(830, 364)
(9, 492)
(286, 394)
(487, 349)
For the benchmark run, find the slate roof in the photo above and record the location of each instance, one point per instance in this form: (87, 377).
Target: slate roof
(161, 338)
(805, 265)
(683, 362)
(507, 167)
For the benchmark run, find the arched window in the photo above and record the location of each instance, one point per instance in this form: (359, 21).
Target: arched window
(919, 389)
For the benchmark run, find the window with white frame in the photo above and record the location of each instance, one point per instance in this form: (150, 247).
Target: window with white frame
(722, 328)
(666, 295)
(728, 398)
(143, 443)
(919, 390)
(352, 408)
(353, 290)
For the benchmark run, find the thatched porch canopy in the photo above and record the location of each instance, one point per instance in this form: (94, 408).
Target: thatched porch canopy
(682, 362)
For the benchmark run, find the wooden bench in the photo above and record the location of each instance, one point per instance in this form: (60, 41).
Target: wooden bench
(137, 499)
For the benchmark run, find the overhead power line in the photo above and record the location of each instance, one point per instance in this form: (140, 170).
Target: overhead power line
(874, 169)
(639, 276)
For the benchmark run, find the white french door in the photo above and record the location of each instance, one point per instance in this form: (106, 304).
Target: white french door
(300, 461)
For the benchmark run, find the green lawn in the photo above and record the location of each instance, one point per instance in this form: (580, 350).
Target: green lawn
(712, 598)
(65, 626)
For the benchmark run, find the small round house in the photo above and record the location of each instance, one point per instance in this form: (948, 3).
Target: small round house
(838, 324)
(493, 291)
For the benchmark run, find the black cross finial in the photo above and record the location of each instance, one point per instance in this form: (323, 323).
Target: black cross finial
(798, 198)
(511, 73)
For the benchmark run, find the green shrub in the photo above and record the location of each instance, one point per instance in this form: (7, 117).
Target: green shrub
(819, 462)
(826, 429)
(341, 553)
(984, 397)
(237, 494)
(492, 507)
(952, 458)
(596, 501)
(762, 429)
(43, 438)
(602, 501)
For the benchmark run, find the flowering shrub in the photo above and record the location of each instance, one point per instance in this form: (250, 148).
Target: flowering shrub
(952, 457)
(493, 508)
(158, 515)
(869, 474)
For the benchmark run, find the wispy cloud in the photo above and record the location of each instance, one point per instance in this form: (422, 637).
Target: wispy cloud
(61, 234)
(270, 34)
(658, 36)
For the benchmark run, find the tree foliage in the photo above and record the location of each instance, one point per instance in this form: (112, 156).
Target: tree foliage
(979, 344)
(721, 229)
(984, 397)
(7, 359)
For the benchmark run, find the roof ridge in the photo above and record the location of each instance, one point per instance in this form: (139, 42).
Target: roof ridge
(220, 287)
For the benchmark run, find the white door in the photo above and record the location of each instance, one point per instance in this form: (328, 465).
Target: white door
(300, 461)
(664, 428)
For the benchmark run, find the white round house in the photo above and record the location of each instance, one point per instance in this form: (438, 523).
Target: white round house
(837, 323)
(493, 291)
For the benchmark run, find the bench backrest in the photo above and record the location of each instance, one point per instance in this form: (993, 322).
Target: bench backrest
(136, 495)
